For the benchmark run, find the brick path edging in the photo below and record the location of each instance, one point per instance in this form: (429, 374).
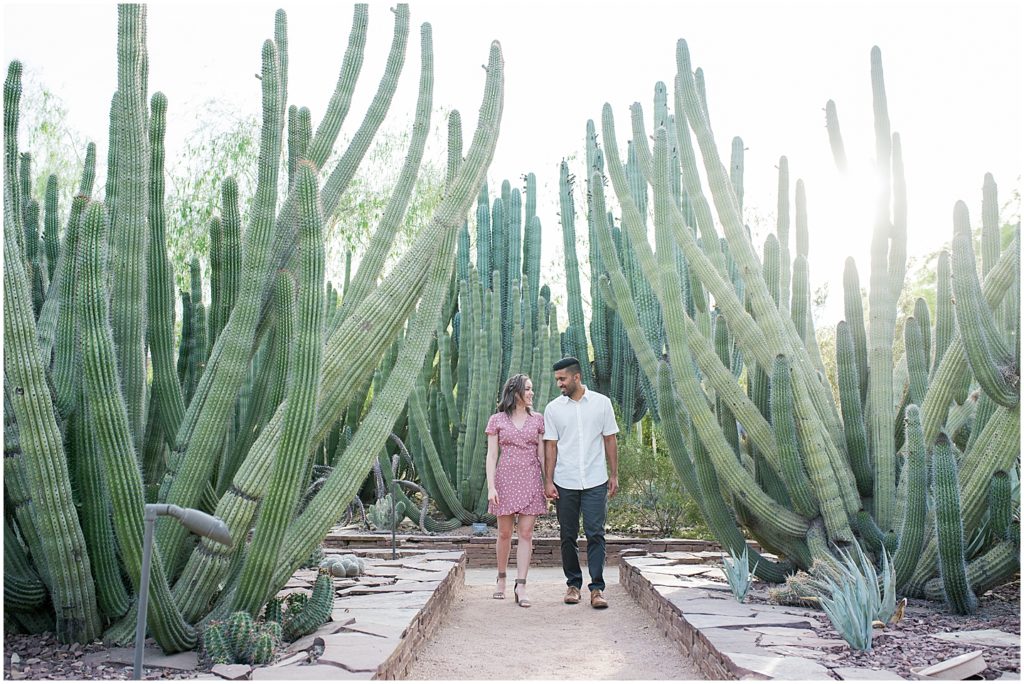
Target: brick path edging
(670, 620)
(423, 626)
(480, 551)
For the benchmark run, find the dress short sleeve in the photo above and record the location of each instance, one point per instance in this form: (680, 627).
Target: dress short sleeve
(550, 431)
(492, 424)
(540, 423)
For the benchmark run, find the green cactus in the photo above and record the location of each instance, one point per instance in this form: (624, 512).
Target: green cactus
(45, 468)
(304, 386)
(912, 530)
(166, 391)
(272, 612)
(949, 528)
(263, 649)
(274, 630)
(210, 456)
(385, 515)
(1000, 506)
(577, 343)
(314, 612)
(847, 453)
(216, 644)
(105, 406)
(990, 359)
(200, 434)
(240, 629)
(835, 137)
(128, 219)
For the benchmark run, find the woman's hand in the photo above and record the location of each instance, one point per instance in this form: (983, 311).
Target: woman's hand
(492, 495)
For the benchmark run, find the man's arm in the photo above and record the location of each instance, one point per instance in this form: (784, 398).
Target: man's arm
(611, 453)
(550, 456)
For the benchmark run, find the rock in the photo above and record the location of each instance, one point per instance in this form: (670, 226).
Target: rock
(853, 673)
(233, 672)
(982, 637)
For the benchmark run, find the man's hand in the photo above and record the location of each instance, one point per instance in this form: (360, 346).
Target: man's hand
(613, 486)
(492, 495)
(550, 491)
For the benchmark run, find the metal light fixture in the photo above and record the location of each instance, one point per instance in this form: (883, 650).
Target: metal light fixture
(203, 524)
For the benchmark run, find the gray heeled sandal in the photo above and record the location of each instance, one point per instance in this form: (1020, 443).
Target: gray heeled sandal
(522, 603)
(499, 594)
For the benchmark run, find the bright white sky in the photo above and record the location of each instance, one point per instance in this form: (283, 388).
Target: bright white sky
(953, 74)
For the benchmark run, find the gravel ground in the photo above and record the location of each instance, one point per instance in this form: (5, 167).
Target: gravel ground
(906, 645)
(39, 656)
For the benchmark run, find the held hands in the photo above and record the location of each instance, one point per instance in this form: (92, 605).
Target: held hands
(492, 495)
(550, 491)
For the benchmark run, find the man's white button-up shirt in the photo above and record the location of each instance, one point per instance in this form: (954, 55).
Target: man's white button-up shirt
(579, 427)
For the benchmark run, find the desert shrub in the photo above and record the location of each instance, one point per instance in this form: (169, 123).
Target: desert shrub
(651, 498)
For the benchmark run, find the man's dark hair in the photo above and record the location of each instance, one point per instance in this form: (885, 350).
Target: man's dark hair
(569, 363)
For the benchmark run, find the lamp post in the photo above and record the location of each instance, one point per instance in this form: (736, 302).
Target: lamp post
(203, 524)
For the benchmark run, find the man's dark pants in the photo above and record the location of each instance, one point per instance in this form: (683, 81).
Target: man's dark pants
(593, 504)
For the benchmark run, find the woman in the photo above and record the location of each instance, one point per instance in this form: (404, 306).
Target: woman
(515, 484)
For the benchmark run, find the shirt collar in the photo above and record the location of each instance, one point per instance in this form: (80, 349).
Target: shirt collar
(586, 394)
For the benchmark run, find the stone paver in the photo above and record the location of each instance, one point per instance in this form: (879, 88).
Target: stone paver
(154, 657)
(357, 652)
(403, 586)
(860, 673)
(669, 581)
(733, 640)
(382, 600)
(378, 619)
(232, 672)
(780, 667)
(307, 672)
(378, 629)
(701, 621)
(982, 637)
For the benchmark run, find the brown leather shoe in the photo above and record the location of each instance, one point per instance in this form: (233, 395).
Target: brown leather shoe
(572, 595)
(597, 599)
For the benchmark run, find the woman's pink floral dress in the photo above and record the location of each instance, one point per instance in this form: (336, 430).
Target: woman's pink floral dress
(518, 474)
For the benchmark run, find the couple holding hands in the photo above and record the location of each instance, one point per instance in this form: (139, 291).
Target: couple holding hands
(568, 454)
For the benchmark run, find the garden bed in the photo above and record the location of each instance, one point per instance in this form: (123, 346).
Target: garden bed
(690, 601)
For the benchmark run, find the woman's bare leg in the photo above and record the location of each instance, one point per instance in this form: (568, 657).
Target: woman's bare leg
(524, 549)
(503, 547)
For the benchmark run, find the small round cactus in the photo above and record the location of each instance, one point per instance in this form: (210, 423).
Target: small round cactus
(215, 643)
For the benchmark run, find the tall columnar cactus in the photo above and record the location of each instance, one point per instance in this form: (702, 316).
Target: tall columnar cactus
(493, 335)
(949, 530)
(221, 450)
(60, 542)
(812, 474)
(129, 236)
(576, 341)
(303, 389)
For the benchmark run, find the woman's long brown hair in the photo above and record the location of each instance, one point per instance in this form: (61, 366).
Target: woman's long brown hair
(514, 388)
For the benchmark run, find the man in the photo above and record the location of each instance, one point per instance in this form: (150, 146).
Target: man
(581, 471)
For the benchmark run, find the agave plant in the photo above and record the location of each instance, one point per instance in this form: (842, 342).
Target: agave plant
(853, 598)
(738, 573)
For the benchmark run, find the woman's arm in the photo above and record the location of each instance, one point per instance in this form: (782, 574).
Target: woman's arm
(492, 461)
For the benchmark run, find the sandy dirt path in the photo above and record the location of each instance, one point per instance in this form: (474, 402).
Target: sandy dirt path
(484, 638)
